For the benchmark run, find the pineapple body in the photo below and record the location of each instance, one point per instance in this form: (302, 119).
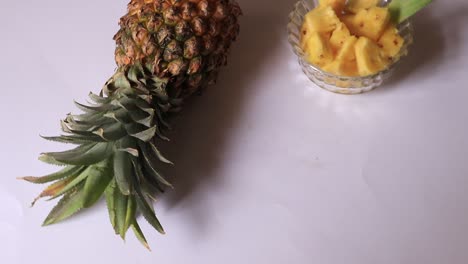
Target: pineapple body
(166, 51)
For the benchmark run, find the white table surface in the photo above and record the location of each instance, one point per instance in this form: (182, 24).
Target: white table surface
(269, 168)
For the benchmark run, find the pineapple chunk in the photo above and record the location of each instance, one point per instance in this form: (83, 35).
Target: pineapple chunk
(369, 23)
(345, 61)
(317, 49)
(338, 37)
(390, 41)
(322, 19)
(337, 5)
(354, 6)
(370, 57)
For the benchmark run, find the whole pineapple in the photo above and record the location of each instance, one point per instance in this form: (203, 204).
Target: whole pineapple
(166, 51)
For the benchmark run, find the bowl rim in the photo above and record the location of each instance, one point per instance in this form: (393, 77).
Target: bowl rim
(301, 54)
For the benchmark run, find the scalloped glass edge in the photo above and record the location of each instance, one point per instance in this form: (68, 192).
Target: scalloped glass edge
(335, 83)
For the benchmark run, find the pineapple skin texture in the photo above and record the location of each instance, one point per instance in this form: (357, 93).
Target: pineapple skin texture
(357, 40)
(185, 40)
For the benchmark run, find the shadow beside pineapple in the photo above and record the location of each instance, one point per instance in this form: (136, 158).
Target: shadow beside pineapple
(198, 140)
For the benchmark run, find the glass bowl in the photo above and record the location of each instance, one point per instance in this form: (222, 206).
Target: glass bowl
(335, 83)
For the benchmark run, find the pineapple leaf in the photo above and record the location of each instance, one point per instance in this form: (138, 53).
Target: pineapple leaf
(99, 177)
(150, 168)
(98, 99)
(133, 75)
(146, 209)
(65, 172)
(122, 171)
(111, 132)
(131, 209)
(74, 139)
(94, 109)
(139, 234)
(87, 154)
(159, 154)
(69, 205)
(50, 160)
(142, 118)
(53, 189)
(132, 151)
(143, 135)
(161, 120)
(120, 115)
(401, 10)
(76, 180)
(121, 81)
(90, 118)
(109, 194)
(120, 203)
(160, 135)
(70, 123)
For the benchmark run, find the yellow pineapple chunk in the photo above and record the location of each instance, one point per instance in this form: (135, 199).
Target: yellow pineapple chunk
(345, 61)
(391, 41)
(370, 57)
(354, 6)
(337, 5)
(317, 49)
(339, 36)
(322, 19)
(369, 23)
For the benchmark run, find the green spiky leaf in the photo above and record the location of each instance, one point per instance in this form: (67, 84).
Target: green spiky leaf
(143, 135)
(146, 209)
(120, 203)
(87, 154)
(152, 171)
(110, 201)
(122, 171)
(69, 205)
(65, 172)
(139, 235)
(99, 177)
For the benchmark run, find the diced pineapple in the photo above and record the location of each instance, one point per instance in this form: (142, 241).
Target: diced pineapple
(338, 37)
(322, 19)
(345, 61)
(317, 49)
(337, 5)
(370, 57)
(354, 6)
(369, 23)
(391, 41)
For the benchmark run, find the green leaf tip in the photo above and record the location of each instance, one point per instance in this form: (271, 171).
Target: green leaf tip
(401, 10)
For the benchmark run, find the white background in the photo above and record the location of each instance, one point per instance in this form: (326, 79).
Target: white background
(269, 168)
